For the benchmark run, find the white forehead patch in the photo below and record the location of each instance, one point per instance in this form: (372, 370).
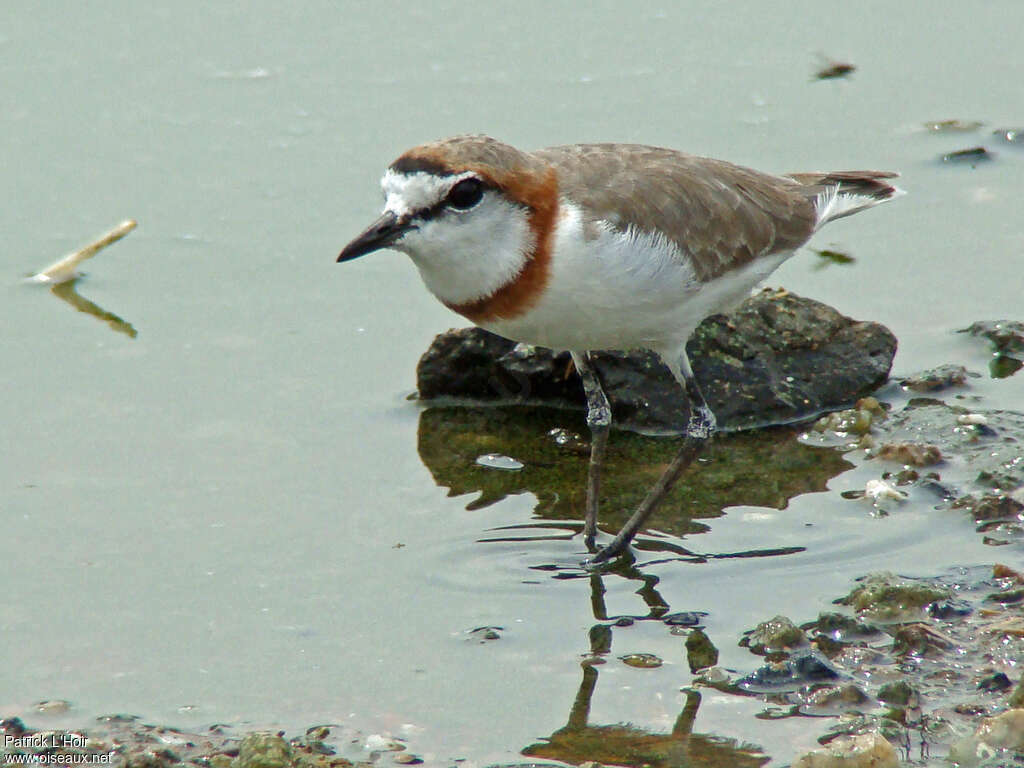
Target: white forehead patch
(406, 193)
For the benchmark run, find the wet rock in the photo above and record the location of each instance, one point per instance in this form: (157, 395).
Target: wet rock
(995, 682)
(792, 674)
(1000, 571)
(1007, 336)
(949, 609)
(1016, 699)
(914, 454)
(990, 506)
(995, 738)
(899, 693)
(839, 626)
(774, 635)
(936, 379)
(851, 421)
(263, 750)
(641, 660)
(684, 618)
(886, 597)
(919, 639)
(700, 651)
(837, 697)
(777, 358)
(868, 750)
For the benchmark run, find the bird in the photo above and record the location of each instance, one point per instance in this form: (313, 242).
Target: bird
(611, 246)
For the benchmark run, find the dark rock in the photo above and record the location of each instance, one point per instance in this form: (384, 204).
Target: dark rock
(777, 358)
(684, 618)
(807, 668)
(950, 609)
(995, 682)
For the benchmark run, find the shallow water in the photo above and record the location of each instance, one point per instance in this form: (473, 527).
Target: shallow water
(202, 517)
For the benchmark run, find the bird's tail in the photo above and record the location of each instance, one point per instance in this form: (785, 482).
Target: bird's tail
(842, 193)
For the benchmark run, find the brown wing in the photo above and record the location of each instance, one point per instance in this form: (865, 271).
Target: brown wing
(722, 215)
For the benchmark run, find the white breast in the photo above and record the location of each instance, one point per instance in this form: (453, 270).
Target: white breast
(615, 290)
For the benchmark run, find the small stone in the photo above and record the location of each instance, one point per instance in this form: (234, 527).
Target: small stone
(684, 618)
(919, 639)
(776, 634)
(641, 660)
(996, 682)
(407, 758)
(897, 694)
(914, 454)
(264, 750)
(934, 379)
(972, 419)
(868, 750)
(499, 461)
(377, 742)
(53, 707)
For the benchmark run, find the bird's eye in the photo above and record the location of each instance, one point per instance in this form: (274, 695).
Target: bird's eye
(466, 194)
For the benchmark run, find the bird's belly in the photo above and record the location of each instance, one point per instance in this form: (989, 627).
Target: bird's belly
(624, 312)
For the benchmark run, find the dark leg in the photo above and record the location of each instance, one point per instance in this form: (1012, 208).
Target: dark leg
(699, 428)
(599, 419)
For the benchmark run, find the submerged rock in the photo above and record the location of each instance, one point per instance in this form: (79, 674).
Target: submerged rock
(777, 358)
(868, 750)
(886, 597)
(774, 635)
(996, 737)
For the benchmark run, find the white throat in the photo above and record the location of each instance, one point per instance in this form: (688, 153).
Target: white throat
(462, 255)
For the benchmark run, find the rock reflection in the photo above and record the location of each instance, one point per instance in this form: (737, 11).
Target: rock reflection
(766, 468)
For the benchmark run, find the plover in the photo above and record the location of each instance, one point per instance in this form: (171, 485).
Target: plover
(602, 247)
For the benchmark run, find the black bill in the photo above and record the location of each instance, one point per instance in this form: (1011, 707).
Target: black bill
(382, 233)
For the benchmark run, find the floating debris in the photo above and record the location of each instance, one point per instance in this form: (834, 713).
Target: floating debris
(67, 268)
(833, 69)
(953, 126)
(1011, 135)
(971, 156)
(830, 256)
